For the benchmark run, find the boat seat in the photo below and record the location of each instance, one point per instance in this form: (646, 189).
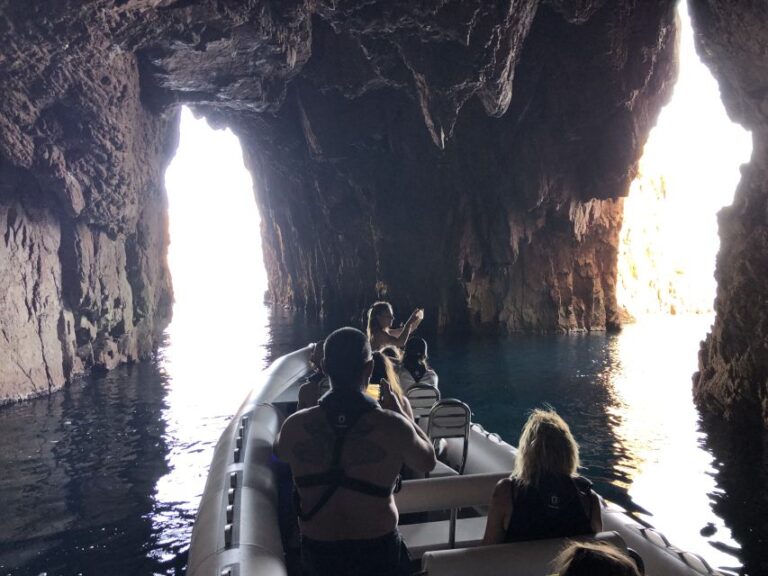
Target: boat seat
(450, 418)
(422, 397)
(441, 470)
(532, 558)
(446, 493)
(431, 536)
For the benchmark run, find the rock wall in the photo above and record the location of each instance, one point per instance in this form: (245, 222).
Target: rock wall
(485, 194)
(732, 382)
(83, 227)
(462, 155)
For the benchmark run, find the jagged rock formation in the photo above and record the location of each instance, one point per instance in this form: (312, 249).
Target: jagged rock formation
(493, 222)
(732, 39)
(462, 155)
(83, 280)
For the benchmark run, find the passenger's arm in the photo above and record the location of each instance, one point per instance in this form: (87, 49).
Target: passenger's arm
(283, 440)
(595, 518)
(407, 409)
(309, 394)
(418, 453)
(499, 508)
(400, 336)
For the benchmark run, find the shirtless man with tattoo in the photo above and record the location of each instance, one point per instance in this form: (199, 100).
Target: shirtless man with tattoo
(345, 455)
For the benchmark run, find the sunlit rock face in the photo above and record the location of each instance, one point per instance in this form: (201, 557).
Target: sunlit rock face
(732, 39)
(466, 156)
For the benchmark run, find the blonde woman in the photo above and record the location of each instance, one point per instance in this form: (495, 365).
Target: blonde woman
(544, 497)
(380, 331)
(383, 371)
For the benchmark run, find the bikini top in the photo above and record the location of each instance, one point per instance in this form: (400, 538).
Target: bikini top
(343, 410)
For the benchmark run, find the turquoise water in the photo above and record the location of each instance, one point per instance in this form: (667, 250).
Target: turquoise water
(105, 476)
(628, 400)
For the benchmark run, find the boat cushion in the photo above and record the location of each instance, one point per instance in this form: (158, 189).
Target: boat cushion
(432, 494)
(442, 469)
(532, 558)
(431, 536)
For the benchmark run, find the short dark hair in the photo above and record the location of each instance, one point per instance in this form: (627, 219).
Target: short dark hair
(346, 350)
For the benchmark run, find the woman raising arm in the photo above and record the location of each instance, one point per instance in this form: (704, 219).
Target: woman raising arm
(380, 331)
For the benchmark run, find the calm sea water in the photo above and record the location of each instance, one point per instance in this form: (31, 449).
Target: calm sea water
(104, 477)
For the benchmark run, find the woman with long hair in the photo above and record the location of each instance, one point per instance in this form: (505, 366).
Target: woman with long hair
(414, 367)
(380, 330)
(384, 371)
(544, 497)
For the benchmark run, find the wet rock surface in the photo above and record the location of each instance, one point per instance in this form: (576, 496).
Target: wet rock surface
(732, 382)
(83, 228)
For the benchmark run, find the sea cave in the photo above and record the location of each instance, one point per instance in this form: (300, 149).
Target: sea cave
(465, 156)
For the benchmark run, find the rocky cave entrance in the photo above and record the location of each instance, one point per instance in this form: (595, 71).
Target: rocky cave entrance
(215, 255)
(689, 170)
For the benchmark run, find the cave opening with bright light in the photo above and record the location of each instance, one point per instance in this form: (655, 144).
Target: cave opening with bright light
(689, 170)
(215, 255)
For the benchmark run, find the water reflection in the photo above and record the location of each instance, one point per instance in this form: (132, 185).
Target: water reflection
(741, 496)
(669, 471)
(79, 471)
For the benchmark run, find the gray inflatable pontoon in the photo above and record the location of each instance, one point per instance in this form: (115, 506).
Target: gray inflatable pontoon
(237, 530)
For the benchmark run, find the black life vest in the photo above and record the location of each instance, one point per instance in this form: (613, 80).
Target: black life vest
(342, 409)
(551, 509)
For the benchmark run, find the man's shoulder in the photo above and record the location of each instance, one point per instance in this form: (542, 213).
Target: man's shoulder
(301, 417)
(309, 388)
(389, 420)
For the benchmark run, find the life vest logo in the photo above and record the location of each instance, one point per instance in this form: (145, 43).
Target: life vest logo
(341, 420)
(554, 501)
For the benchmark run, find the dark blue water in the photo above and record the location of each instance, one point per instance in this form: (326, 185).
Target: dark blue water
(104, 477)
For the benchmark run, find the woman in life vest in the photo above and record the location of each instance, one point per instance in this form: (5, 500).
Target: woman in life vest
(544, 497)
(380, 330)
(414, 368)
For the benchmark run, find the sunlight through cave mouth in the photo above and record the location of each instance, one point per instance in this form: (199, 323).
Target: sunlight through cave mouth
(688, 172)
(215, 255)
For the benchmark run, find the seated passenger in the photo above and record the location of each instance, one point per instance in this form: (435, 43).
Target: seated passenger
(345, 455)
(543, 498)
(384, 371)
(316, 383)
(380, 331)
(594, 559)
(415, 367)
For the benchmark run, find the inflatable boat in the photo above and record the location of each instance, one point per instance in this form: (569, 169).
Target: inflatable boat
(243, 522)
